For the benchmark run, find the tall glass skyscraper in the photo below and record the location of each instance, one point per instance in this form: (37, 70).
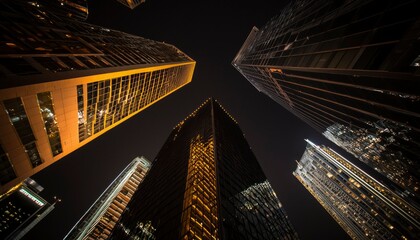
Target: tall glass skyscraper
(100, 219)
(65, 82)
(351, 70)
(205, 183)
(361, 205)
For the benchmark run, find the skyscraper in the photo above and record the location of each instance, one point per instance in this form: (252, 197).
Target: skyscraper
(100, 219)
(21, 209)
(361, 205)
(65, 82)
(131, 3)
(205, 183)
(349, 69)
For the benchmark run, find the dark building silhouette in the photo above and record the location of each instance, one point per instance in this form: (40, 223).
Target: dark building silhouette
(349, 69)
(361, 205)
(65, 82)
(21, 209)
(205, 183)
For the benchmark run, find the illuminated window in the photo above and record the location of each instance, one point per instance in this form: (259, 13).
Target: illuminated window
(109, 101)
(50, 122)
(81, 113)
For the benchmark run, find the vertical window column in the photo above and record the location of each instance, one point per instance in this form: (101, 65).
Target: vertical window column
(81, 113)
(50, 122)
(17, 115)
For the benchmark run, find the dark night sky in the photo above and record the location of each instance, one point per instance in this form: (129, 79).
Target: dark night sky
(210, 32)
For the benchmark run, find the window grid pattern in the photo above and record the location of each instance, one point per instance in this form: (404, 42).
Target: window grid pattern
(99, 221)
(249, 206)
(46, 107)
(112, 100)
(199, 217)
(81, 113)
(39, 42)
(17, 115)
(7, 173)
(204, 184)
(362, 206)
(103, 225)
(346, 65)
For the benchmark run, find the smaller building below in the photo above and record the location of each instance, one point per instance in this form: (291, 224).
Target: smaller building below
(100, 219)
(21, 209)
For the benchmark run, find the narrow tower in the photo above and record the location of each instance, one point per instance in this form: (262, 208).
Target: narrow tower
(100, 219)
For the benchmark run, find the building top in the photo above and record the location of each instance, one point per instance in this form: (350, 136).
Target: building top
(210, 100)
(205, 183)
(131, 3)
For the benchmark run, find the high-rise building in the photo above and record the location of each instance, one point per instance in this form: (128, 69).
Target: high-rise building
(65, 82)
(21, 209)
(131, 3)
(361, 205)
(351, 70)
(205, 183)
(100, 219)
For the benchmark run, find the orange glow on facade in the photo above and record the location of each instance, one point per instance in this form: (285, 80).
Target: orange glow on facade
(64, 94)
(199, 218)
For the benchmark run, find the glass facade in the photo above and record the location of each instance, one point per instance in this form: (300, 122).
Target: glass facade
(361, 205)
(100, 219)
(7, 173)
(341, 63)
(76, 80)
(109, 101)
(17, 115)
(378, 147)
(50, 121)
(200, 192)
(205, 183)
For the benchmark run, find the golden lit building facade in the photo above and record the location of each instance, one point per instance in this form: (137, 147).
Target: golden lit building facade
(100, 219)
(205, 183)
(361, 205)
(349, 69)
(65, 82)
